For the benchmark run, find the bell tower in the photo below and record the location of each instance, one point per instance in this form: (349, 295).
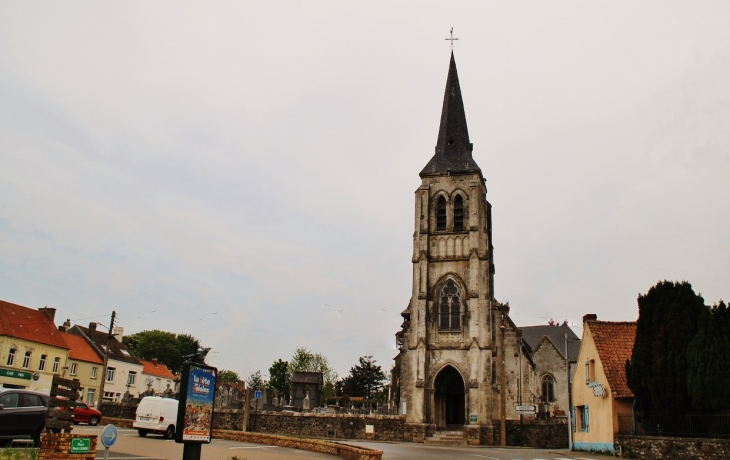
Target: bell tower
(446, 371)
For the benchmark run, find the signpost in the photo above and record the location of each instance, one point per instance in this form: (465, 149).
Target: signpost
(80, 445)
(526, 410)
(195, 410)
(108, 438)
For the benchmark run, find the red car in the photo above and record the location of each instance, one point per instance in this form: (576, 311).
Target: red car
(85, 414)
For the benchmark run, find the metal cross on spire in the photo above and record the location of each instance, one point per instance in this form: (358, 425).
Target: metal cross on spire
(452, 38)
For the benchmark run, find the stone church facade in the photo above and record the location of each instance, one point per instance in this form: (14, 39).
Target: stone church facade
(461, 365)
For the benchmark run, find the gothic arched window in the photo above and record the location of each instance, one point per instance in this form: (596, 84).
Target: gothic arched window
(548, 389)
(441, 214)
(449, 307)
(458, 213)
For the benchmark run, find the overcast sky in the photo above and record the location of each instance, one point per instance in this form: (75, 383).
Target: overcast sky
(245, 171)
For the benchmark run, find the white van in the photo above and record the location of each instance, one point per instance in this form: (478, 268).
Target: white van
(156, 414)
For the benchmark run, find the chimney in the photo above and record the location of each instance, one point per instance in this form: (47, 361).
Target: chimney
(590, 317)
(118, 333)
(66, 326)
(155, 362)
(50, 312)
(92, 327)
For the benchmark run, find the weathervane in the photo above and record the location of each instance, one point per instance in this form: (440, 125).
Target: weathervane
(452, 38)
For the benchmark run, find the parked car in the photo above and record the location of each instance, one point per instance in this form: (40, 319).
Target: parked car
(22, 414)
(156, 414)
(85, 414)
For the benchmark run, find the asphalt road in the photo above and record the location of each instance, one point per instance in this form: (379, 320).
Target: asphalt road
(130, 446)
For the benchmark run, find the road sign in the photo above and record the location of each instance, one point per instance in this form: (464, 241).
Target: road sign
(80, 445)
(526, 408)
(109, 435)
(525, 412)
(257, 394)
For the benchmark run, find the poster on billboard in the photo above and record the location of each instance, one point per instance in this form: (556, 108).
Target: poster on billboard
(195, 411)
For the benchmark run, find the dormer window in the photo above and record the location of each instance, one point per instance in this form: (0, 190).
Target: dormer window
(441, 214)
(451, 141)
(458, 214)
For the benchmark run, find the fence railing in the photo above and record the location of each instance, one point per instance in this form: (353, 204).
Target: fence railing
(689, 426)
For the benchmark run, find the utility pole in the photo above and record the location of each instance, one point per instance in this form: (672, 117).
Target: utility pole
(570, 403)
(106, 357)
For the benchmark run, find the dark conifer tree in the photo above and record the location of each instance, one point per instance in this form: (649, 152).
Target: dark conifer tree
(708, 372)
(657, 373)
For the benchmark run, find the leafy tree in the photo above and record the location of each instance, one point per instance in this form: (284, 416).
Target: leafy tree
(228, 376)
(170, 349)
(279, 378)
(255, 381)
(304, 360)
(657, 373)
(708, 371)
(365, 379)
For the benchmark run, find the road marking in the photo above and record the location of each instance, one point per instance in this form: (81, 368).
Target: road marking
(484, 456)
(253, 447)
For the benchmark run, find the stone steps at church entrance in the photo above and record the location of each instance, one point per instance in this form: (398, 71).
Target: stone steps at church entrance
(446, 438)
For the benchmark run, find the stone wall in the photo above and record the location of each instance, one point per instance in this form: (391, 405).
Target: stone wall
(228, 419)
(654, 447)
(546, 434)
(118, 410)
(342, 426)
(324, 447)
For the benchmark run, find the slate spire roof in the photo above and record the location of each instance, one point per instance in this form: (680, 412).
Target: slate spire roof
(453, 149)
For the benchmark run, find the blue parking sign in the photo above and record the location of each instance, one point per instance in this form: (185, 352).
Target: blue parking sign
(257, 394)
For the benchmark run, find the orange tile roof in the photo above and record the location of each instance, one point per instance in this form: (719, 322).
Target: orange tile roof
(79, 349)
(158, 369)
(614, 343)
(29, 324)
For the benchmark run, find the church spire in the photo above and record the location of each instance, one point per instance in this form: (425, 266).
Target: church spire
(453, 149)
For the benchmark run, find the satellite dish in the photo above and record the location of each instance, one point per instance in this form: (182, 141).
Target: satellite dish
(150, 380)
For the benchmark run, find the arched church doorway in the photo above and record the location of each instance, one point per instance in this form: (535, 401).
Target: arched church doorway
(449, 398)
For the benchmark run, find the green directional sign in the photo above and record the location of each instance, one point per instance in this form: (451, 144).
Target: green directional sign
(15, 374)
(80, 445)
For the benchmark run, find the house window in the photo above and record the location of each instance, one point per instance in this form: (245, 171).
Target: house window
(441, 214)
(91, 396)
(93, 372)
(56, 363)
(110, 375)
(590, 370)
(42, 364)
(548, 389)
(450, 307)
(582, 418)
(131, 377)
(81, 394)
(26, 360)
(11, 356)
(458, 213)
(73, 368)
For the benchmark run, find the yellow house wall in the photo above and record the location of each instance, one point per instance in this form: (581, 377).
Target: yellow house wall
(83, 375)
(601, 415)
(43, 384)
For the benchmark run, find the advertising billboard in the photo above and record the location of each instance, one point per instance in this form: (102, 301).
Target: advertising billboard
(195, 411)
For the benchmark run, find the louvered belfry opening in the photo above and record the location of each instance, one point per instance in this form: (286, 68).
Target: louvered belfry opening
(441, 214)
(458, 214)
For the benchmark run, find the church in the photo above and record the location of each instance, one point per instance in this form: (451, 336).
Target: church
(462, 365)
